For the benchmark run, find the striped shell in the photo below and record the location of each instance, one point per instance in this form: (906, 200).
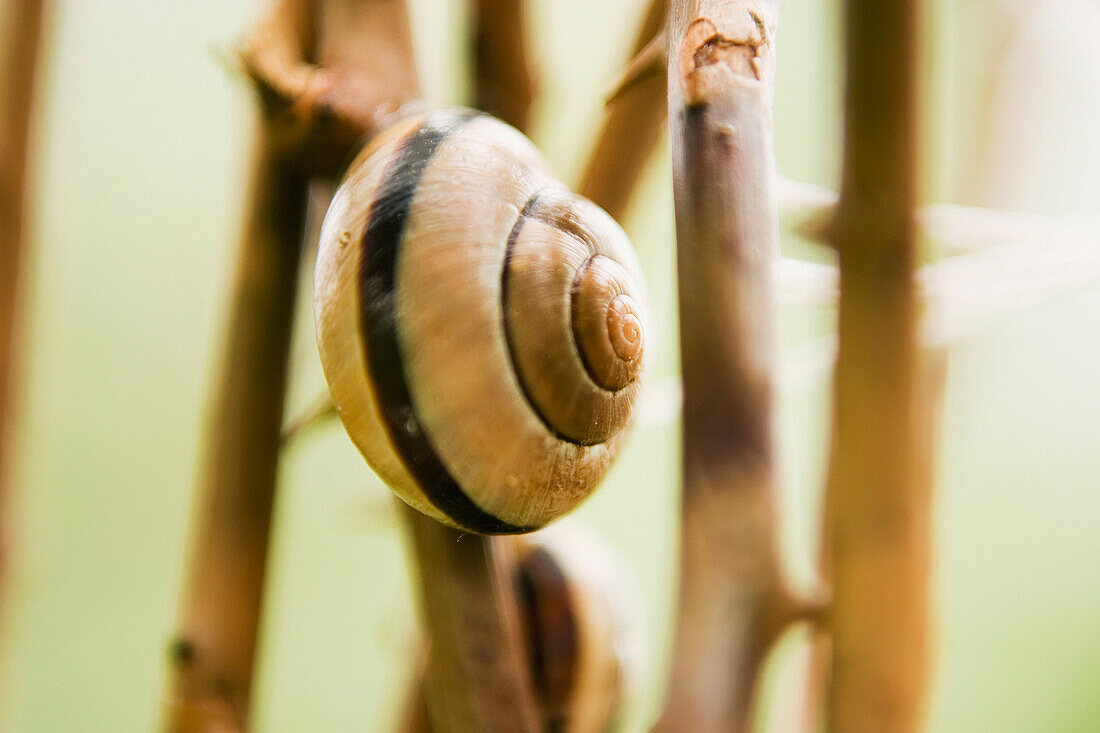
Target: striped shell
(581, 614)
(481, 328)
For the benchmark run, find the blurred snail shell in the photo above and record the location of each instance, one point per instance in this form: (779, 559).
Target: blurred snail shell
(481, 328)
(582, 622)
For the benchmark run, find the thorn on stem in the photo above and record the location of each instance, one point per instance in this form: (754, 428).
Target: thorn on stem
(181, 652)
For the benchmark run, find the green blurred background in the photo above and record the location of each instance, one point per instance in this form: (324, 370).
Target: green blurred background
(141, 150)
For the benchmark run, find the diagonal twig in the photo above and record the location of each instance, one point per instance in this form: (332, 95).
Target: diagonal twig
(632, 126)
(212, 656)
(213, 653)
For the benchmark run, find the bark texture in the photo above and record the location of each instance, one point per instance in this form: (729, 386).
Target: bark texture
(733, 600)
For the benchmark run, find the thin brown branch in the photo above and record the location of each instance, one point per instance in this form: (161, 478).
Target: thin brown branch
(476, 678)
(504, 83)
(879, 486)
(651, 63)
(319, 412)
(213, 655)
(631, 129)
(733, 599)
(19, 67)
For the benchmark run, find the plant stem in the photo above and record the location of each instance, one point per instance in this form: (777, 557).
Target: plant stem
(879, 486)
(733, 600)
(476, 678)
(630, 130)
(20, 66)
(213, 655)
(214, 652)
(323, 89)
(503, 81)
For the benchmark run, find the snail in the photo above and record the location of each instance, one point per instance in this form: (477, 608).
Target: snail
(582, 622)
(481, 328)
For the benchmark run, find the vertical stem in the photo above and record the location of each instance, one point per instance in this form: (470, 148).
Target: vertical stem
(19, 65)
(630, 130)
(503, 82)
(476, 676)
(213, 655)
(879, 483)
(733, 601)
(214, 651)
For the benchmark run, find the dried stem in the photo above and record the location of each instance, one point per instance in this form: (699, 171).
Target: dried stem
(504, 84)
(733, 600)
(19, 66)
(476, 677)
(879, 487)
(322, 102)
(213, 655)
(631, 128)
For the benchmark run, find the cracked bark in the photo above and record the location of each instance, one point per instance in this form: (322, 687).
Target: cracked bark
(733, 598)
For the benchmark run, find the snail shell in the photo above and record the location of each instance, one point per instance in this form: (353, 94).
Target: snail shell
(481, 328)
(582, 623)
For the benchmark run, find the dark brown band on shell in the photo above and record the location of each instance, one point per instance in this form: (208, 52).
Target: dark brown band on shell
(379, 328)
(550, 613)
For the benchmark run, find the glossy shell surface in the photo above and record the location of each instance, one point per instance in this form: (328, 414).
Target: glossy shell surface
(481, 328)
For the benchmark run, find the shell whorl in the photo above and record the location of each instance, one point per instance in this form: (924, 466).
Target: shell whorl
(480, 326)
(560, 283)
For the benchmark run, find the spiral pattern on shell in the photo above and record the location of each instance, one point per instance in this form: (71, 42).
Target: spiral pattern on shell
(481, 328)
